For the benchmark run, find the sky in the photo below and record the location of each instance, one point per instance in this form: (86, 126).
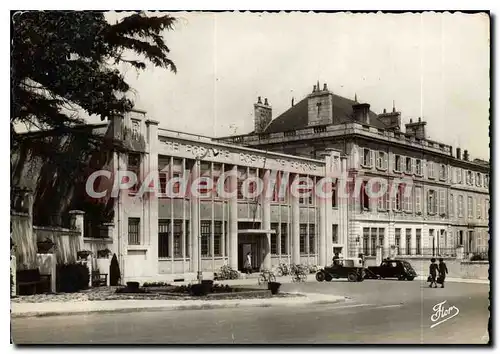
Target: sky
(432, 65)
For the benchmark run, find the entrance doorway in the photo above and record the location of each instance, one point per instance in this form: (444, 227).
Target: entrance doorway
(243, 249)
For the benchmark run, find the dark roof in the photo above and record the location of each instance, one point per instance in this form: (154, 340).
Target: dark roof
(296, 117)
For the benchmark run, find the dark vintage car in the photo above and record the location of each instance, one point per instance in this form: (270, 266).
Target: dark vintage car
(352, 269)
(392, 269)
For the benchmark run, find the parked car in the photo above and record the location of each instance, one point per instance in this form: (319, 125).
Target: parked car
(350, 268)
(391, 269)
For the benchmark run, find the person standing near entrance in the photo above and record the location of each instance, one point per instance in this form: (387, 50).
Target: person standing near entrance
(443, 270)
(248, 263)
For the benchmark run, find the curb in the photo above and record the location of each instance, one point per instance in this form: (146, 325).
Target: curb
(208, 306)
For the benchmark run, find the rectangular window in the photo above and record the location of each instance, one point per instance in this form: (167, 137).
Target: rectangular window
(284, 236)
(274, 238)
(460, 206)
(134, 166)
(397, 240)
(218, 234)
(418, 240)
(382, 201)
(367, 157)
(408, 241)
(452, 205)
(398, 199)
(334, 195)
(486, 181)
(431, 202)
(408, 165)
(205, 232)
(366, 240)
(430, 169)
(397, 163)
(459, 175)
(442, 202)
(478, 208)
(418, 167)
(134, 237)
(365, 200)
(373, 237)
(312, 238)
(303, 234)
(469, 207)
(418, 200)
(442, 172)
(382, 160)
(468, 180)
(177, 238)
(163, 238)
(335, 234)
(381, 235)
(408, 199)
(479, 179)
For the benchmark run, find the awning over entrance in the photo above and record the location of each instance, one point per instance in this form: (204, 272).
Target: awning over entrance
(256, 232)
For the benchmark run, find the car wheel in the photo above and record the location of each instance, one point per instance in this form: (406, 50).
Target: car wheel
(352, 277)
(401, 277)
(410, 278)
(328, 277)
(320, 276)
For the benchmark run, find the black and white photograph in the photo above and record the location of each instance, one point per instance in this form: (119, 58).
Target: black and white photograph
(196, 177)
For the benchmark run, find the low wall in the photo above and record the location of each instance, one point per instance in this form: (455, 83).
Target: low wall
(456, 268)
(67, 241)
(25, 243)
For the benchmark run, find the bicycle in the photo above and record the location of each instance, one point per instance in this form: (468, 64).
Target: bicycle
(266, 276)
(299, 273)
(283, 270)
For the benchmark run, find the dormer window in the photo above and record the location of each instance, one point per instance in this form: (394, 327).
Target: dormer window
(469, 178)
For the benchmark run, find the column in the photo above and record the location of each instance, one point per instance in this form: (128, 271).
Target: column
(233, 219)
(342, 203)
(402, 246)
(386, 252)
(195, 224)
(77, 222)
(413, 242)
(295, 226)
(266, 220)
(323, 217)
(151, 202)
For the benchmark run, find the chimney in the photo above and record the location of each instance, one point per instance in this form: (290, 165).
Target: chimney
(262, 115)
(361, 113)
(416, 129)
(392, 120)
(466, 155)
(459, 154)
(320, 106)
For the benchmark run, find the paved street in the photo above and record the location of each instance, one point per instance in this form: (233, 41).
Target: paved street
(380, 311)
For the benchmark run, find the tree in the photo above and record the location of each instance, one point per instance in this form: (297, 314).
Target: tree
(63, 66)
(62, 63)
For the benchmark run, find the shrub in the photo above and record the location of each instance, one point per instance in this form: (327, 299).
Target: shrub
(72, 277)
(114, 271)
(103, 253)
(154, 284)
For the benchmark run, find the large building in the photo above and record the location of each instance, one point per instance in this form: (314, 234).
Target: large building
(448, 205)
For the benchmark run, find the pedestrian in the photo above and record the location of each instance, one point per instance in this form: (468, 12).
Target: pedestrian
(443, 270)
(248, 263)
(336, 259)
(433, 269)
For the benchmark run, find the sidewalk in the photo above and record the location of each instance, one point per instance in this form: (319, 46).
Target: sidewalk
(459, 280)
(87, 307)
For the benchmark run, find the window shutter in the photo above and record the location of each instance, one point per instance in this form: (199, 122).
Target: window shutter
(384, 160)
(429, 202)
(372, 153)
(393, 198)
(417, 200)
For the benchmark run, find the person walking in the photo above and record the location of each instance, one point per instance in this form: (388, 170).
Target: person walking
(248, 263)
(433, 269)
(443, 270)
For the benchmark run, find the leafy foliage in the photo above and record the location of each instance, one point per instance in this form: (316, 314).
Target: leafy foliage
(114, 271)
(72, 277)
(62, 61)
